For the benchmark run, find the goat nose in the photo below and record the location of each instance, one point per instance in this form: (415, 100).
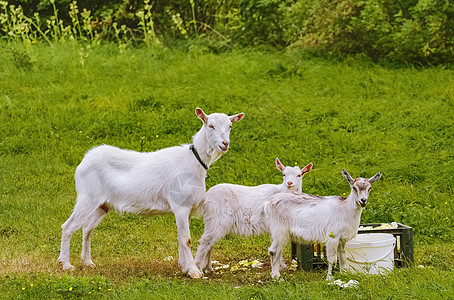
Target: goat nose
(289, 183)
(225, 143)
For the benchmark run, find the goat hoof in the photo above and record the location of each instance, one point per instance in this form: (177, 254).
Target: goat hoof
(195, 274)
(90, 264)
(68, 267)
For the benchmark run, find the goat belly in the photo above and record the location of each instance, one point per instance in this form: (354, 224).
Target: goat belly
(300, 240)
(158, 207)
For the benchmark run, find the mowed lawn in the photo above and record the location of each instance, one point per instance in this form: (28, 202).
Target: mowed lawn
(58, 102)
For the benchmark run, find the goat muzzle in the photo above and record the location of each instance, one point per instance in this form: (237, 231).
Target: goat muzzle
(363, 203)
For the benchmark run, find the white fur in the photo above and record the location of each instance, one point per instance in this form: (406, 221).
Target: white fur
(147, 184)
(228, 209)
(312, 219)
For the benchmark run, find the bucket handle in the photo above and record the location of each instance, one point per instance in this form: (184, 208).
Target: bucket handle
(368, 262)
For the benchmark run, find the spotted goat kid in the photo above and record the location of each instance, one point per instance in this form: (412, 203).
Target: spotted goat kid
(310, 219)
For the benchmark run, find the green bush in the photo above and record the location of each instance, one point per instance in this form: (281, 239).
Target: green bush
(409, 31)
(415, 31)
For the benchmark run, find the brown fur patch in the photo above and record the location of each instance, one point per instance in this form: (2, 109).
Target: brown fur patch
(104, 207)
(362, 184)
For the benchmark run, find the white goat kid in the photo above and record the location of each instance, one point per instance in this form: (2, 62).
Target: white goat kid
(146, 184)
(312, 219)
(228, 209)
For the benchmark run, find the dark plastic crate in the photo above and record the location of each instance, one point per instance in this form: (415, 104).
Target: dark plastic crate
(311, 257)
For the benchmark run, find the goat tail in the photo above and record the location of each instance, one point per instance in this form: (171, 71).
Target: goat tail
(259, 214)
(266, 208)
(198, 210)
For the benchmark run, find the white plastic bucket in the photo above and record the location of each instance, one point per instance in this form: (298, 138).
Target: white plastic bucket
(371, 253)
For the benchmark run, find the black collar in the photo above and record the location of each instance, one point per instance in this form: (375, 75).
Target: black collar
(196, 154)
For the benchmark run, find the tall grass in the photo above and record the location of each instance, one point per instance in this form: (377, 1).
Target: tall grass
(58, 102)
(18, 27)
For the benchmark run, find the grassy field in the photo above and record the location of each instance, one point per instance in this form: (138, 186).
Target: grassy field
(58, 102)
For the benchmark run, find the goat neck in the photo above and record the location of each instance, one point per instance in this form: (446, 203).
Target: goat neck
(354, 209)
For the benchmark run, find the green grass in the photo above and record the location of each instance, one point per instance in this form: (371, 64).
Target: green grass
(56, 103)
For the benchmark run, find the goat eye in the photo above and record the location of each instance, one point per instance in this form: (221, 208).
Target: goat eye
(211, 126)
(355, 189)
(299, 175)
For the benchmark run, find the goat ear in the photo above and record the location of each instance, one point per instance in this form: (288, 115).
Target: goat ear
(375, 177)
(348, 177)
(236, 118)
(202, 116)
(279, 165)
(306, 169)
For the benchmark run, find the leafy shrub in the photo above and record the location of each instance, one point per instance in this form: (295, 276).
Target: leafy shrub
(415, 31)
(409, 31)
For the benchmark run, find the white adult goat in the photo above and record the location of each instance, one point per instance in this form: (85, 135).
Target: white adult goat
(312, 219)
(228, 208)
(147, 184)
